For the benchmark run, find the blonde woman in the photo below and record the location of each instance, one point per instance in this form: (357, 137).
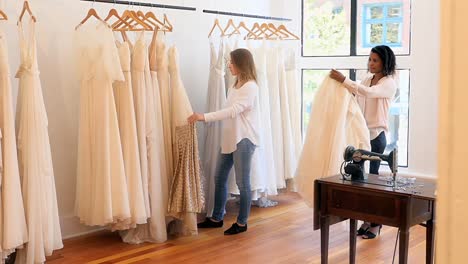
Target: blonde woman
(240, 136)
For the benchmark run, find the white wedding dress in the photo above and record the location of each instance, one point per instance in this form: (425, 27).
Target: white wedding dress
(13, 230)
(124, 104)
(35, 159)
(166, 107)
(336, 121)
(275, 115)
(101, 190)
(216, 101)
(155, 230)
(139, 56)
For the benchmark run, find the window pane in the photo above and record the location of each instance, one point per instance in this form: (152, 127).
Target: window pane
(394, 11)
(312, 79)
(376, 12)
(398, 116)
(326, 27)
(376, 34)
(393, 33)
(383, 23)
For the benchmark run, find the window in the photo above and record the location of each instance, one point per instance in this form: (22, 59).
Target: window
(311, 82)
(382, 25)
(331, 29)
(383, 22)
(338, 33)
(326, 28)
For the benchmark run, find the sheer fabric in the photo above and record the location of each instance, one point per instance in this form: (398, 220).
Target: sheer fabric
(336, 121)
(216, 101)
(101, 191)
(35, 159)
(13, 231)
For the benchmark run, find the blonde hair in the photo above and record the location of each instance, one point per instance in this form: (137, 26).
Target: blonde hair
(244, 62)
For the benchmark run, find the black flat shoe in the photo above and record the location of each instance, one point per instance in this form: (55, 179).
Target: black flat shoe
(235, 229)
(370, 232)
(11, 258)
(208, 223)
(363, 229)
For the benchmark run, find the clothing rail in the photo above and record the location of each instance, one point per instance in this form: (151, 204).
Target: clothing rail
(245, 15)
(138, 4)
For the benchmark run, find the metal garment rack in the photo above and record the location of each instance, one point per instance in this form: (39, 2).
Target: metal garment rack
(245, 15)
(138, 4)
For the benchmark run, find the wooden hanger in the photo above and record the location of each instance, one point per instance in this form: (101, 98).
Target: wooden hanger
(272, 29)
(242, 26)
(158, 23)
(3, 16)
(114, 13)
(231, 24)
(26, 8)
(131, 17)
(288, 34)
(143, 18)
(255, 32)
(216, 25)
(91, 13)
(167, 24)
(261, 31)
(275, 31)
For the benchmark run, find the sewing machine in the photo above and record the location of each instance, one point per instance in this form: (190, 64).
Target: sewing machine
(354, 161)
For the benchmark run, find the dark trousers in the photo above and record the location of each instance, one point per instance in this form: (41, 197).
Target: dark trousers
(378, 145)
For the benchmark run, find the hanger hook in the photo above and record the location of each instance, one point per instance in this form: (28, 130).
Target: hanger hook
(115, 2)
(92, 5)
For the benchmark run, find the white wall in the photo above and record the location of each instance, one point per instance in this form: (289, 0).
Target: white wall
(424, 64)
(56, 22)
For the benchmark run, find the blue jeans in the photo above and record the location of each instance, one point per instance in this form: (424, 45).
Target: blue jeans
(241, 158)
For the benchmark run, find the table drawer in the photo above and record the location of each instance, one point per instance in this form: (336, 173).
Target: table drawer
(369, 206)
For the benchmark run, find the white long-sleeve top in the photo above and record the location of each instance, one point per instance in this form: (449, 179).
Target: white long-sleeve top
(374, 101)
(240, 117)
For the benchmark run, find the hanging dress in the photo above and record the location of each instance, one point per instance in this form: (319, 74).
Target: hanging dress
(275, 115)
(155, 230)
(229, 79)
(294, 97)
(140, 100)
(13, 231)
(336, 121)
(289, 151)
(265, 149)
(123, 96)
(101, 190)
(186, 193)
(166, 107)
(35, 159)
(216, 101)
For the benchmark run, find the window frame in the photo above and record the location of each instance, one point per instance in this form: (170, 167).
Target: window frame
(352, 67)
(353, 32)
(384, 21)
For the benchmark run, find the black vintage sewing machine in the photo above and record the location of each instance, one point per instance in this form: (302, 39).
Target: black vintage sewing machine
(354, 161)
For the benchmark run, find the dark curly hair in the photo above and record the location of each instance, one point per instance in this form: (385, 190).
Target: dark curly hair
(387, 56)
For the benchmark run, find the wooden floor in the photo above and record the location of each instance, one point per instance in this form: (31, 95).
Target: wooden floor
(281, 234)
